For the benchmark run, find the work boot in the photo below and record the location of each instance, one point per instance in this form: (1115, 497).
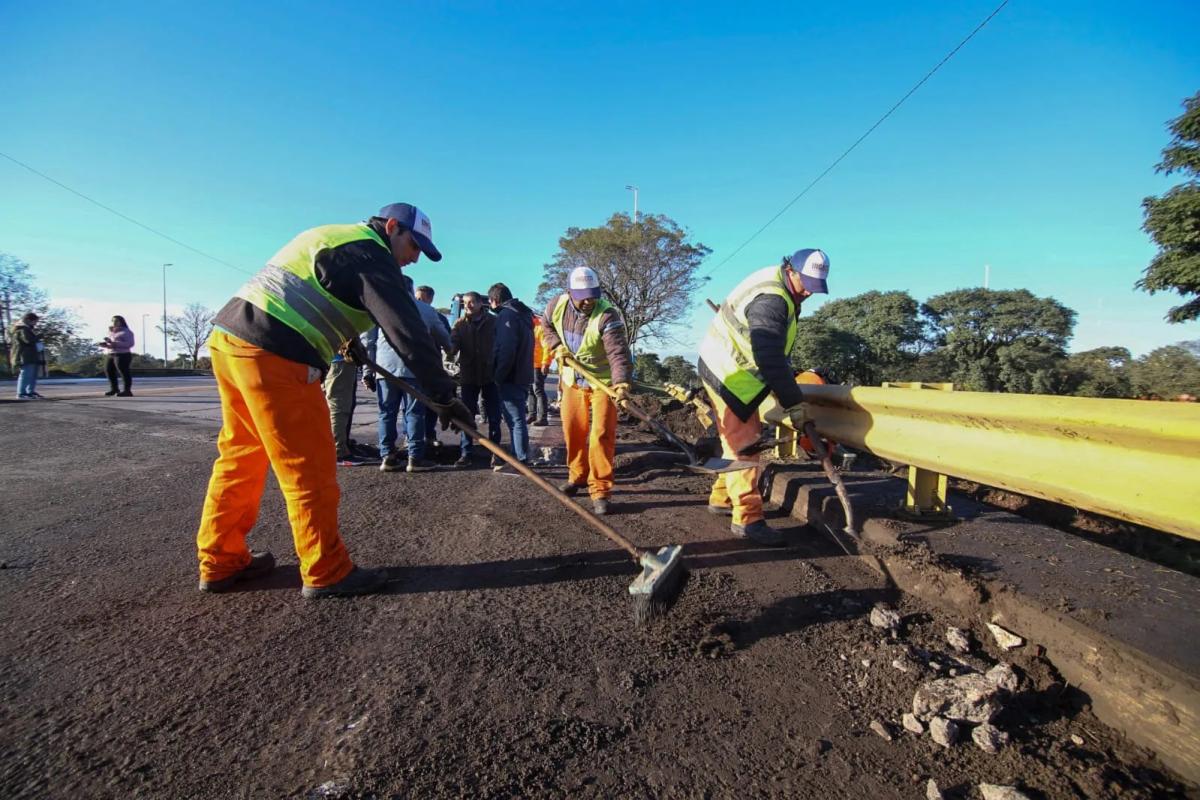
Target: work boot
(758, 532)
(359, 581)
(720, 511)
(260, 564)
(569, 489)
(392, 462)
(421, 465)
(125, 393)
(600, 506)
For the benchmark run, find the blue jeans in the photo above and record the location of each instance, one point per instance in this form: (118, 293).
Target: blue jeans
(417, 426)
(491, 409)
(390, 400)
(27, 379)
(513, 405)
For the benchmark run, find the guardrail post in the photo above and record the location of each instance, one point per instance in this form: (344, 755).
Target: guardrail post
(926, 495)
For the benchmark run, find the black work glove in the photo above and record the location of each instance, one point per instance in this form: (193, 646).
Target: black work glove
(369, 381)
(452, 411)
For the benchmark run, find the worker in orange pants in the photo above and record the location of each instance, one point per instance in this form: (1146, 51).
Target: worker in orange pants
(744, 359)
(270, 345)
(269, 406)
(736, 492)
(582, 324)
(589, 419)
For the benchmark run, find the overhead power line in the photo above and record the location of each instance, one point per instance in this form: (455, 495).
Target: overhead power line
(860, 139)
(126, 217)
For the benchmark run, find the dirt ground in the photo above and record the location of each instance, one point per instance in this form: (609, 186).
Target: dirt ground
(503, 662)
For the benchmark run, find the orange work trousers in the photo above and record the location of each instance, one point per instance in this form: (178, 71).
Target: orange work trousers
(738, 489)
(589, 420)
(273, 414)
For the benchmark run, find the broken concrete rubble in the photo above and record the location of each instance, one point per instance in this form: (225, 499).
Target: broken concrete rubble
(989, 738)
(944, 731)
(967, 698)
(1005, 638)
(991, 791)
(912, 724)
(1003, 676)
(959, 639)
(884, 616)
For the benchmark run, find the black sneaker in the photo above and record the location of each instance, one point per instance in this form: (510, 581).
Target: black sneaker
(392, 462)
(463, 462)
(125, 393)
(260, 564)
(359, 581)
(569, 489)
(759, 533)
(421, 465)
(110, 393)
(541, 423)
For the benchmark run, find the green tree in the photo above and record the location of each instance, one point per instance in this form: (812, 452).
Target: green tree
(680, 372)
(1101, 372)
(647, 369)
(648, 270)
(843, 354)
(1167, 372)
(1006, 341)
(889, 327)
(1173, 220)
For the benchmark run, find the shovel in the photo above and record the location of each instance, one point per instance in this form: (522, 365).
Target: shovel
(712, 466)
(662, 572)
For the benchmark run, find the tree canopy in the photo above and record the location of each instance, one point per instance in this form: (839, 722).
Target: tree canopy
(1006, 341)
(1173, 220)
(191, 329)
(647, 269)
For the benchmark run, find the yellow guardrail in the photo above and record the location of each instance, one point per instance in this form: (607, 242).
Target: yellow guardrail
(1135, 460)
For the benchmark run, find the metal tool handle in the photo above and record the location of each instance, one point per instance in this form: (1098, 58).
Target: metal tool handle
(359, 354)
(839, 485)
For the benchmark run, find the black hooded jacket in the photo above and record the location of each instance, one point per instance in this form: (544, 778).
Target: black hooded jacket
(514, 343)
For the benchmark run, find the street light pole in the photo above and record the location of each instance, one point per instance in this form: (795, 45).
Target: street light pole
(145, 341)
(164, 267)
(634, 189)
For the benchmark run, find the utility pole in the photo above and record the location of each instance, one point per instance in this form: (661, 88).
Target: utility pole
(634, 189)
(145, 341)
(164, 267)
(987, 275)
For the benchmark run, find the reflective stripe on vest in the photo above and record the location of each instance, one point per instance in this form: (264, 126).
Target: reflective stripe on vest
(591, 353)
(287, 288)
(726, 349)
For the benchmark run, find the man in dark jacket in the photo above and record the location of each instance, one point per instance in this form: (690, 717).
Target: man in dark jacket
(514, 365)
(473, 340)
(26, 356)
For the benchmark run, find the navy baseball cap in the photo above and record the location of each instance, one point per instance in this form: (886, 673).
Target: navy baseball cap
(417, 221)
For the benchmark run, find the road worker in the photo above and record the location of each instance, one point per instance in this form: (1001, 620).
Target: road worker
(582, 324)
(744, 358)
(542, 359)
(270, 345)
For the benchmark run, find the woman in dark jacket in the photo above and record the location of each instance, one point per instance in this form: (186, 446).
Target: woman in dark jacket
(119, 347)
(26, 356)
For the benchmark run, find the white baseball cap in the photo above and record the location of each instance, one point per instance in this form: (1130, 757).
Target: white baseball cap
(583, 284)
(813, 267)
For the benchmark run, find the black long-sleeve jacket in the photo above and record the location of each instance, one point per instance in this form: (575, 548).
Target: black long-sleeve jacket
(363, 275)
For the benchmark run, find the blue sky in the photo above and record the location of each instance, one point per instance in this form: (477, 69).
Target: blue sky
(232, 128)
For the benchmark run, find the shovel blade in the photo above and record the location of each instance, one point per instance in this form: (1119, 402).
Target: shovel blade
(715, 466)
